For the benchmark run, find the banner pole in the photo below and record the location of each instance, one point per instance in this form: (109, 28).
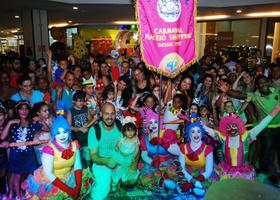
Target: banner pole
(160, 99)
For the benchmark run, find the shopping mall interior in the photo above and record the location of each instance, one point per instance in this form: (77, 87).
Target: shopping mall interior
(86, 114)
(220, 25)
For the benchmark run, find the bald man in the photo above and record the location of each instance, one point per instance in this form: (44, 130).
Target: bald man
(102, 150)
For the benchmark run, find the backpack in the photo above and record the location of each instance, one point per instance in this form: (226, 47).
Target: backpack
(98, 129)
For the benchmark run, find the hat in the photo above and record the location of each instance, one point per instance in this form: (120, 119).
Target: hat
(87, 82)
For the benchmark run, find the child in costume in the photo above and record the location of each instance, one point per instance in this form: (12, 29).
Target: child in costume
(61, 175)
(128, 149)
(172, 111)
(91, 101)
(22, 159)
(132, 113)
(232, 132)
(42, 116)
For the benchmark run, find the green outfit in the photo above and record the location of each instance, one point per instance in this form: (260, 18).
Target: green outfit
(270, 137)
(265, 104)
(106, 148)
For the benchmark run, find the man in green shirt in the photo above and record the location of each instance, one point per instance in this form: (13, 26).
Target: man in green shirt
(102, 150)
(264, 99)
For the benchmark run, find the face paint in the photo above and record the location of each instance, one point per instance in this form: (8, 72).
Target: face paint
(153, 126)
(232, 129)
(195, 134)
(62, 136)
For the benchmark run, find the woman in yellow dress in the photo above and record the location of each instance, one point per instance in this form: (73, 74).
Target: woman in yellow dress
(61, 175)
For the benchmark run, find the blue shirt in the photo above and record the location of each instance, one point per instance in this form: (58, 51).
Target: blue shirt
(36, 97)
(66, 97)
(58, 72)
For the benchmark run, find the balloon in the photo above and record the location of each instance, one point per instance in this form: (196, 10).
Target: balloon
(133, 27)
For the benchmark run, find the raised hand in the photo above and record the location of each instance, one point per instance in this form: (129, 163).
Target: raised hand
(221, 85)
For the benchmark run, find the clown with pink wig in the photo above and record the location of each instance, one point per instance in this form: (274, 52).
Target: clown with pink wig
(159, 169)
(232, 132)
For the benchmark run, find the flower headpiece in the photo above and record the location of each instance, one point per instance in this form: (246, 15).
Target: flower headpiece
(129, 119)
(60, 108)
(225, 121)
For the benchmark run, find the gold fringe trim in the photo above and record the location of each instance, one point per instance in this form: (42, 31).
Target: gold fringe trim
(153, 68)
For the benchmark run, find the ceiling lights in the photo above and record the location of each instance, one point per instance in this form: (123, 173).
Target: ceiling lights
(75, 8)
(264, 14)
(212, 17)
(126, 22)
(58, 25)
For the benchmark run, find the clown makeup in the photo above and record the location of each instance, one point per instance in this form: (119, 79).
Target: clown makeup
(62, 136)
(153, 127)
(232, 129)
(195, 134)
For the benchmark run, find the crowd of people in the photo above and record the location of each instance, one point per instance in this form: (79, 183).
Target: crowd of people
(91, 128)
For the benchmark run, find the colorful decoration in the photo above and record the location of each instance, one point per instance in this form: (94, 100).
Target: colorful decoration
(102, 45)
(80, 49)
(167, 34)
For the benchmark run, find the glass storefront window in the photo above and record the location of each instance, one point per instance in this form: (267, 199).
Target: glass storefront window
(223, 35)
(272, 47)
(69, 36)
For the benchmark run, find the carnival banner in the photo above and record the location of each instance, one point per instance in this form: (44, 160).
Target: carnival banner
(167, 34)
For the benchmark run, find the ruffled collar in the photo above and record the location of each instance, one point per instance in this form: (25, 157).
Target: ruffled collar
(66, 153)
(198, 151)
(193, 155)
(60, 148)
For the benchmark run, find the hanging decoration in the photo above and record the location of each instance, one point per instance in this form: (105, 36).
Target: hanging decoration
(80, 49)
(167, 34)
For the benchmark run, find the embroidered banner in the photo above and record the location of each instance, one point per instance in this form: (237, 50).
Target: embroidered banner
(167, 34)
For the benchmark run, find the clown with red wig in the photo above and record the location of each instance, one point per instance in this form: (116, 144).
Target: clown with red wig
(235, 138)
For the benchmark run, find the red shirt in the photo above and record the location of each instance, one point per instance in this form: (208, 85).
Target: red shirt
(13, 81)
(137, 116)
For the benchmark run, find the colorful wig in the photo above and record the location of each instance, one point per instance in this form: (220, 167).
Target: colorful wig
(150, 115)
(190, 127)
(231, 120)
(60, 122)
